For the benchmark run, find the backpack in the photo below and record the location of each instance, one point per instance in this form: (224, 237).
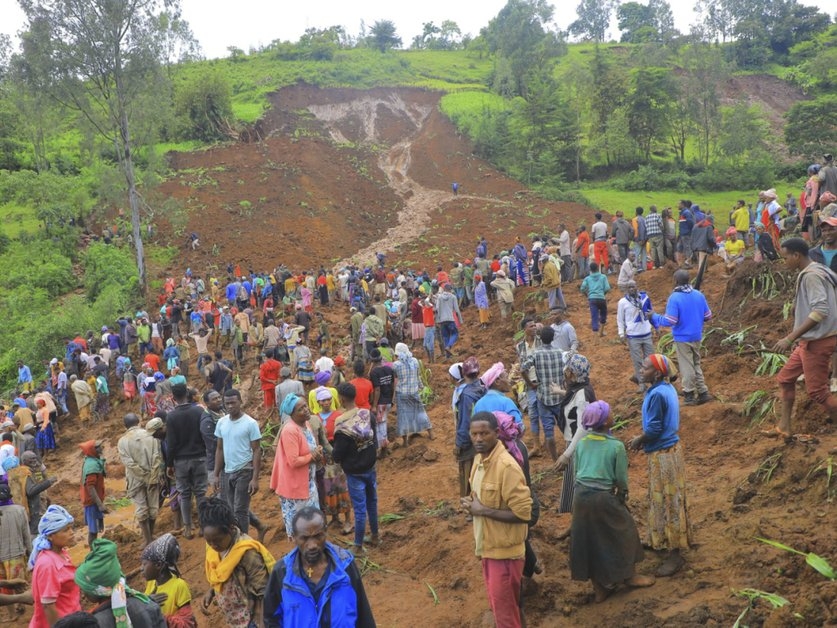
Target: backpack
(241, 294)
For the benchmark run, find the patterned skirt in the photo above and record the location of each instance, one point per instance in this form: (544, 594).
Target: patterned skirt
(668, 519)
(410, 414)
(567, 488)
(13, 569)
(336, 491)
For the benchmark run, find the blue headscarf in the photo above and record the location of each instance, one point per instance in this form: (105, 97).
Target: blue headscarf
(289, 403)
(54, 520)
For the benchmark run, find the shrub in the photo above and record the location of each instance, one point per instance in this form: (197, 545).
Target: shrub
(106, 265)
(204, 106)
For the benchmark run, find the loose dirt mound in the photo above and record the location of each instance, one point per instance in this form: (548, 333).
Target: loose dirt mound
(398, 147)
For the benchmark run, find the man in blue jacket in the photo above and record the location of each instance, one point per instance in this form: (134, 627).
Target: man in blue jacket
(686, 312)
(317, 583)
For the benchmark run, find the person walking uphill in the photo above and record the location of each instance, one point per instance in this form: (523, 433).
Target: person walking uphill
(632, 316)
(596, 286)
(447, 314)
(501, 505)
(317, 583)
(686, 312)
(815, 331)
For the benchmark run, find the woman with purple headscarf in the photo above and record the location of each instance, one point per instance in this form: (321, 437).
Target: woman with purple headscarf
(604, 544)
(322, 379)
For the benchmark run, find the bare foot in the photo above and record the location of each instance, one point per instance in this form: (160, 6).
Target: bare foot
(639, 580)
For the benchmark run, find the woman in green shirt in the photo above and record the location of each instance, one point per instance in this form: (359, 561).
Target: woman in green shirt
(604, 544)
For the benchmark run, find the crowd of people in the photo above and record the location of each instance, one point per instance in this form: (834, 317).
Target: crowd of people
(189, 443)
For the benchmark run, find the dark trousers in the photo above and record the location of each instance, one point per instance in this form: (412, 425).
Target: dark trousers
(598, 313)
(191, 479)
(236, 492)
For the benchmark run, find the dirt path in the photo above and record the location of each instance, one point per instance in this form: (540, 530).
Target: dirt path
(419, 201)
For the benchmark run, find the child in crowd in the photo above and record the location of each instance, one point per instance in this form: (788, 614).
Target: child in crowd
(165, 586)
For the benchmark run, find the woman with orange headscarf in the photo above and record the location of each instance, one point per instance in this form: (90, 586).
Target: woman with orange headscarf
(668, 519)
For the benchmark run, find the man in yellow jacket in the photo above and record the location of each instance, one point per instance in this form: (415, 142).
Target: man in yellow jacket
(501, 505)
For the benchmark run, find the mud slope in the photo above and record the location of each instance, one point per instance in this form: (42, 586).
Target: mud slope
(337, 169)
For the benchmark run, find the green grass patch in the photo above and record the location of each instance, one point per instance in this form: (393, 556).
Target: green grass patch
(15, 218)
(161, 256)
(611, 200)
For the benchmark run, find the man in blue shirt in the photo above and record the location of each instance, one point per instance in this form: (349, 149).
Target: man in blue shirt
(686, 312)
(684, 244)
(471, 392)
(317, 583)
(24, 377)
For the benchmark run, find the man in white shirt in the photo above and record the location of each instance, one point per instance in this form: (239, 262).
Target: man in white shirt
(634, 324)
(566, 253)
(598, 233)
(626, 272)
(325, 363)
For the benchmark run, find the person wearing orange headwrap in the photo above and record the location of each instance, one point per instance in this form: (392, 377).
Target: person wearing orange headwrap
(668, 520)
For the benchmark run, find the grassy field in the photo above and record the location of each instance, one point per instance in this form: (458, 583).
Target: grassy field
(721, 203)
(15, 218)
(253, 77)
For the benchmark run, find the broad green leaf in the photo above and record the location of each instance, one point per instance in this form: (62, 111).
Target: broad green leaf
(821, 565)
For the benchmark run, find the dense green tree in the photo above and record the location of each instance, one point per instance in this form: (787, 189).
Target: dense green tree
(811, 128)
(205, 106)
(705, 73)
(649, 103)
(521, 41)
(607, 92)
(97, 56)
(593, 19)
(383, 35)
(744, 132)
(646, 23)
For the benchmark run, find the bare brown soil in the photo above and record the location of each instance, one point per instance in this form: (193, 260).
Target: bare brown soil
(327, 199)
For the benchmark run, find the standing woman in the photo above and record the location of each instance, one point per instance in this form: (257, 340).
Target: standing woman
(481, 300)
(411, 416)
(304, 363)
(295, 466)
(605, 543)
(15, 542)
(335, 487)
(579, 394)
(54, 591)
(237, 567)
(668, 518)
(45, 438)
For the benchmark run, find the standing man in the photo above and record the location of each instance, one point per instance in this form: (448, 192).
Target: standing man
(548, 363)
(686, 223)
(598, 232)
(565, 337)
(640, 239)
(623, 232)
(355, 324)
(469, 394)
(582, 252)
(632, 319)
(815, 330)
(505, 293)
(24, 377)
(501, 505)
(686, 312)
(566, 252)
(186, 453)
(331, 569)
(526, 347)
(655, 233)
(447, 313)
(238, 452)
(140, 453)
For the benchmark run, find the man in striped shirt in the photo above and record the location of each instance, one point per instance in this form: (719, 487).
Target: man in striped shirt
(656, 236)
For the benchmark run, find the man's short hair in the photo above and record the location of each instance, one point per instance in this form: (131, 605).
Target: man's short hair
(487, 417)
(547, 334)
(796, 245)
(347, 391)
(232, 392)
(307, 513)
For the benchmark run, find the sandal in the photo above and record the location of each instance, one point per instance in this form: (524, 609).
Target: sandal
(805, 439)
(775, 432)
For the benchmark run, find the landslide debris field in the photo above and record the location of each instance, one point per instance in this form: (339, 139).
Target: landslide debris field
(339, 174)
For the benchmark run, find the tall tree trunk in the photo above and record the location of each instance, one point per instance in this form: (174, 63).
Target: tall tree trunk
(130, 179)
